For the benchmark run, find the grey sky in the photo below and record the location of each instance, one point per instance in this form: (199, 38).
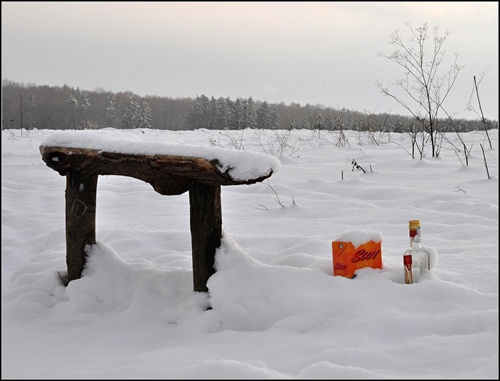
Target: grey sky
(304, 52)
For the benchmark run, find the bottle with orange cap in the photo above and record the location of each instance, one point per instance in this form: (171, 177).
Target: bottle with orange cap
(415, 241)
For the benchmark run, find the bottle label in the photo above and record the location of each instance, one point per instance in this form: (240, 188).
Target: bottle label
(407, 262)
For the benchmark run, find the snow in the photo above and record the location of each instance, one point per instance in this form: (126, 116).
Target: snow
(277, 310)
(357, 238)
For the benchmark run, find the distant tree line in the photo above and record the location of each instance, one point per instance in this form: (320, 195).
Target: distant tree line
(30, 106)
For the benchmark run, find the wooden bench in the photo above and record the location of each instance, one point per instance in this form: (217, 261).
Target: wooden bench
(82, 156)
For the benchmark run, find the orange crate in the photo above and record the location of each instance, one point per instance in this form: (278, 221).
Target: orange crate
(347, 258)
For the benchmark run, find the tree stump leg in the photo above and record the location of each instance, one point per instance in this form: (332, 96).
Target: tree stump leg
(206, 230)
(81, 192)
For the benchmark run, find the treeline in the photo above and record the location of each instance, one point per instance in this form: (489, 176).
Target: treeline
(52, 107)
(30, 106)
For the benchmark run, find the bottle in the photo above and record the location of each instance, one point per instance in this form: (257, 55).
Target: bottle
(415, 242)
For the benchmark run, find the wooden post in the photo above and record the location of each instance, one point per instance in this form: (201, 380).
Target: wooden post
(206, 230)
(81, 190)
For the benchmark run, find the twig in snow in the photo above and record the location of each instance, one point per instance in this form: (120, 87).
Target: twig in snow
(356, 166)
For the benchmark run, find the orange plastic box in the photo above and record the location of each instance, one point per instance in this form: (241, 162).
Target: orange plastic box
(349, 257)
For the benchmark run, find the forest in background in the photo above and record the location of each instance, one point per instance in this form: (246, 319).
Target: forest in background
(31, 106)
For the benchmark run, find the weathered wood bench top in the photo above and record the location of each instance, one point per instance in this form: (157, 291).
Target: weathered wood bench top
(166, 167)
(82, 156)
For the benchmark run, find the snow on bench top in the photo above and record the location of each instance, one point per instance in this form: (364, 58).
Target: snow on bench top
(241, 165)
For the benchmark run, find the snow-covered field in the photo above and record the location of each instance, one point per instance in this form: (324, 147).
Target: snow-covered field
(278, 311)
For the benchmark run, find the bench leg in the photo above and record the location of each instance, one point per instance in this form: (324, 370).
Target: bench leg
(81, 191)
(206, 230)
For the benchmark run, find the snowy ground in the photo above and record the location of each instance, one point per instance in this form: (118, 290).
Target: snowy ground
(278, 311)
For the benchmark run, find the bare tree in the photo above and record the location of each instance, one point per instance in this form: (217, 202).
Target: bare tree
(423, 90)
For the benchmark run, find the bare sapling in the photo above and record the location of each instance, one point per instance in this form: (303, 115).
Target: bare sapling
(414, 135)
(375, 127)
(236, 141)
(319, 138)
(278, 143)
(484, 121)
(485, 162)
(276, 197)
(258, 137)
(359, 138)
(283, 140)
(412, 154)
(466, 150)
(439, 142)
(342, 139)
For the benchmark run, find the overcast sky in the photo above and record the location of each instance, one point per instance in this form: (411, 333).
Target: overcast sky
(305, 52)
